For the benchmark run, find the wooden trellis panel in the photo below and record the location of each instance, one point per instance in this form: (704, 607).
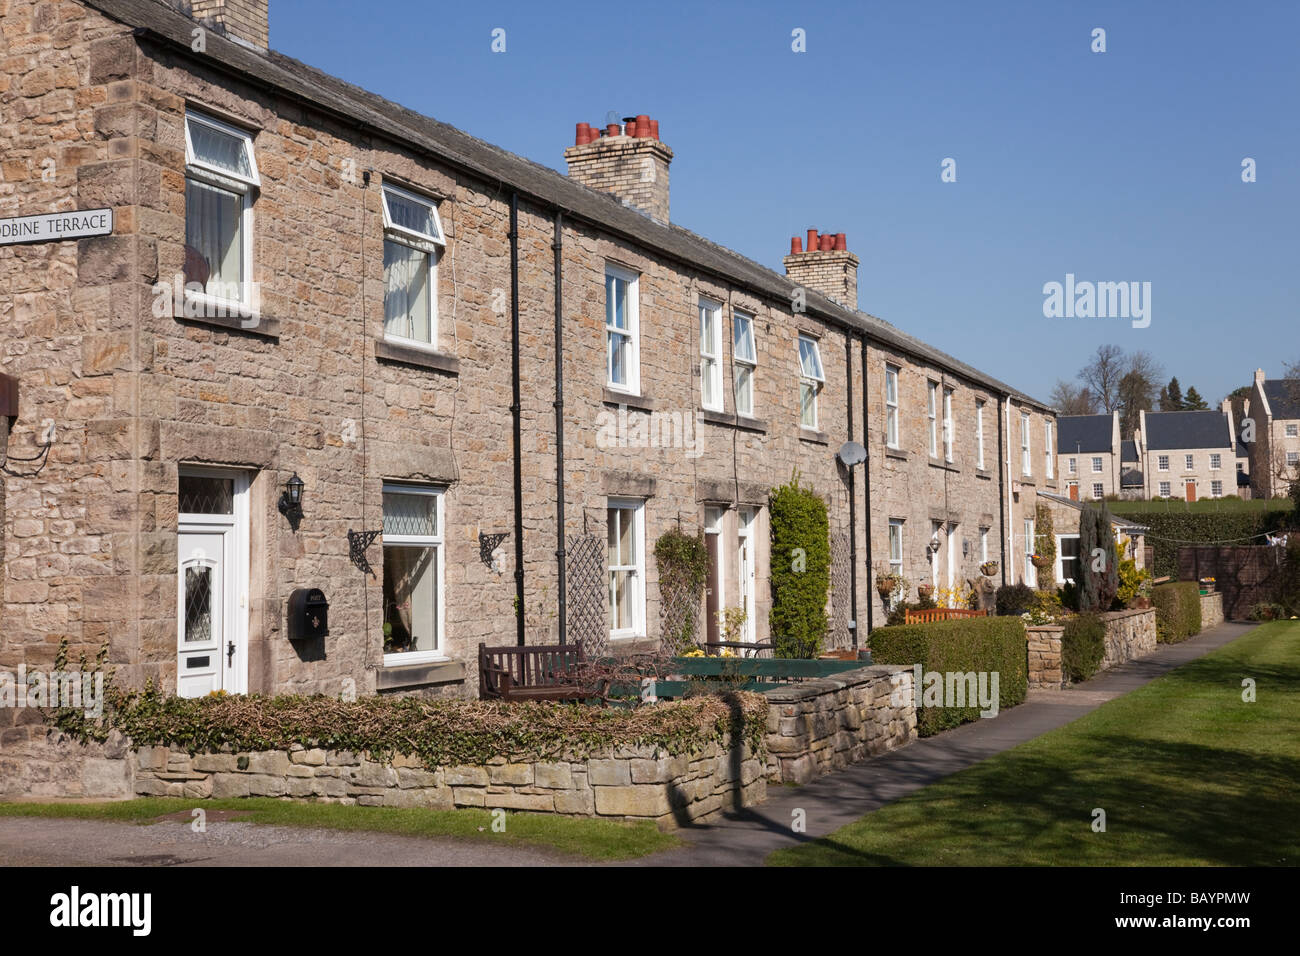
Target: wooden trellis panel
(586, 611)
(838, 635)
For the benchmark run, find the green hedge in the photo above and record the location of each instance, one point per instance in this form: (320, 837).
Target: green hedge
(800, 569)
(1168, 530)
(1083, 646)
(992, 644)
(1178, 611)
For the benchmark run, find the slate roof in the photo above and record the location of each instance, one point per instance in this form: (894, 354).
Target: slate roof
(1131, 478)
(1078, 434)
(1128, 451)
(376, 115)
(1166, 430)
(1283, 396)
(1122, 523)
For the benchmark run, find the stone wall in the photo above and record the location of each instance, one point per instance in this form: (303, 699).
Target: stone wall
(39, 763)
(1211, 610)
(1129, 634)
(632, 783)
(1045, 655)
(817, 726)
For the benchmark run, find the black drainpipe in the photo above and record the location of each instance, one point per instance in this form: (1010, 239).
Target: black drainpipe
(558, 247)
(1002, 491)
(515, 412)
(853, 500)
(866, 481)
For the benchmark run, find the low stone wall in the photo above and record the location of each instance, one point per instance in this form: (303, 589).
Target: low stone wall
(1129, 634)
(37, 762)
(1045, 655)
(817, 726)
(631, 783)
(1211, 610)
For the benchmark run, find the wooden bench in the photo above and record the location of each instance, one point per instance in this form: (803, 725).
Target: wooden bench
(530, 672)
(929, 615)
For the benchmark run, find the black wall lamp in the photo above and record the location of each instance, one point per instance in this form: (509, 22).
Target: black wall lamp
(291, 501)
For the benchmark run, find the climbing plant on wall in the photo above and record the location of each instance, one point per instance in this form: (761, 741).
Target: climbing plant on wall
(801, 563)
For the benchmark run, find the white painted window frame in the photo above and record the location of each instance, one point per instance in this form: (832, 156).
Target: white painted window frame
(430, 244)
(741, 319)
(633, 332)
(891, 405)
(637, 507)
(711, 355)
(438, 543)
(246, 188)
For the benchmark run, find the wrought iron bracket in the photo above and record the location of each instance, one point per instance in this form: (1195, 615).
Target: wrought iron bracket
(358, 542)
(487, 543)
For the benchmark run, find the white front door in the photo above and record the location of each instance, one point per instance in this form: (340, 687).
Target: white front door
(952, 561)
(745, 566)
(212, 582)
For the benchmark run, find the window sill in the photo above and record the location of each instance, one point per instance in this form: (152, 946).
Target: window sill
(743, 422)
(984, 473)
(899, 454)
(398, 676)
(387, 351)
(260, 325)
(813, 436)
(944, 465)
(642, 403)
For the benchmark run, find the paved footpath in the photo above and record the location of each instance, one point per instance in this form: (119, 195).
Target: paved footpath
(745, 840)
(840, 798)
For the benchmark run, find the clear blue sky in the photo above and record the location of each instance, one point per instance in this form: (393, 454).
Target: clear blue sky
(1123, 165)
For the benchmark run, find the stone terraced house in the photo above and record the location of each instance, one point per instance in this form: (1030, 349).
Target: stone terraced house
(271, 343)
(1272, 459)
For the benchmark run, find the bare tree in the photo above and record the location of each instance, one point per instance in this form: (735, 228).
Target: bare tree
(1071, 399)
(1138, 388)
(1102, 375)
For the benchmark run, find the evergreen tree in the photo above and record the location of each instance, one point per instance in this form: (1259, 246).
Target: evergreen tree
(1171, 400)
(1099, 573)
(1194, 402)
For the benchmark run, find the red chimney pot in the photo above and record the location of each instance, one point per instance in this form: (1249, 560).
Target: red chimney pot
(642, 126)
(841, 243)
(812, 239)
(654, 129)
(796, 245)
(612, 129)
(826, 242)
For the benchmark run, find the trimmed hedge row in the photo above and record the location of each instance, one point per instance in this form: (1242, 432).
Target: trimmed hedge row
(1083, 646)
(989, 644)
(1178, 611)
(1170, 529)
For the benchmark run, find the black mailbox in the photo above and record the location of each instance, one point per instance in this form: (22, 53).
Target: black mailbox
(309, 614)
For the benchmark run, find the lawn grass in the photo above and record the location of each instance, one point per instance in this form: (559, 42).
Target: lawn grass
(591, 839)
(1187, 773)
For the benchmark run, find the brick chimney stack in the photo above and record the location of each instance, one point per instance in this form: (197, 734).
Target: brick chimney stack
(826, 266)
(245, 21)
(627, 160)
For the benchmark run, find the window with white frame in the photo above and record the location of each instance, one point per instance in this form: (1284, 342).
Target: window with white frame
(1096, 465)
(413, 572)
(1074, 466)
(413, 242)
(1098, 491)
(711, 355)
(1189, 462)
(626, 537)
(896, 545)
(1216, 489)
(1293, 430)
(984, 544)
(745, 361)
(220, 183)
(1166, 489)
(1030, 577)
(947, 424)
(1067, 558)
(979, 435)
(1216, 462)
(891, 405)
(1026, 463)
(1162, 463)
(622, 330)
(811, 379)
(1293, 457)
(932, 412)
(1050, 450)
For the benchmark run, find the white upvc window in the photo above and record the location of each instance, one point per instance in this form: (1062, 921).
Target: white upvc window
(891, 406)
(1098, 490)
(413, 242)
(622, 330)
(1292, 430)
(1096, 464)
(1049, 450)
(984, 544)
(414, 574)
(1166, 489)
(1067, 558)
(1293, 457)
(932, 413)
(711, 355)
(1026, 462)
(1030, 578)
(1189, 462)
(1162, 463)
(221, 181)
(896, 545)
(1216, 489)
(626, 540)
(979, 435)
(745, 357)
(947, 424)
(1074, 466)
(811, 379)
(1216, 462)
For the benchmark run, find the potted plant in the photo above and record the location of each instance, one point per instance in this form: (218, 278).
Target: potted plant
(925, 591)
(989, 569)
(1042, 561)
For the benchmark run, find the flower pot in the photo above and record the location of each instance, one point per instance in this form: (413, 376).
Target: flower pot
(1042, 562)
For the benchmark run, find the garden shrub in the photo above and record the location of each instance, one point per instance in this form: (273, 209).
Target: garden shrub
(1045, 544)
(1267, 611)
(1083, 646)
(1170, 530)
(1097, 588)
(1015, 599)
(989, 644)
(898, 614)
(800, 569)
(1178, 611)
(683, 563)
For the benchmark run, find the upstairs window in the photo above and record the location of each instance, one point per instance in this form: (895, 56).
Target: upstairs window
(1292, 430)
(811, 379)
(413, 241)
(947, 424)
(220, 183)
(891, 406)
(1026, 464)
(979, 436)
(1162, 463)
(622, 360)
(1049, 449)
(1074, 466)
(1188, 462)
(746, 360)
(1096, 464)
(932, 413)
(711, 355)
(1216, 462)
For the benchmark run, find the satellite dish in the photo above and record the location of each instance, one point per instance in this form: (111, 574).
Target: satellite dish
(851, 453)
